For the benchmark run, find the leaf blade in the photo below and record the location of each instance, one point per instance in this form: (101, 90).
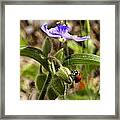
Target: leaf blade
(82, 58)
(46, 47)
(59, 55)
(40, 81)
(52, 95)
(36, 54)
(58, 85)
(45, 86)
(74, 46)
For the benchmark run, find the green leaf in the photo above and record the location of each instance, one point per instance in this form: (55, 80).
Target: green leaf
(88, 69)
(45, 86)
(74, 46)
(63, 73)
(36, 54)
(30, 71)
(53, 67)
(90, 47)
(77, 97)
(52, 95)
(46, 47)
(23, 43)
(44, 71)
(59, 55)
(40, 80)
(82, 58)
(58, 85)
(87, 27)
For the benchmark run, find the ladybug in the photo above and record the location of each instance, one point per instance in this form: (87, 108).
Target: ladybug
(75, 75)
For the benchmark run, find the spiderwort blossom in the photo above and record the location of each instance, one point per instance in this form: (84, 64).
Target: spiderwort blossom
(62, 31)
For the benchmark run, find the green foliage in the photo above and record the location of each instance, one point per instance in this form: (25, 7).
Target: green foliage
(89, 46)
(44, 71)
(58, 85)
(46, 47)
(87, 69)
(74, 46)
(77, 97)
(50, 81)
(92, 95)
(82, 58)
(56, 88)
(86, 94)
(40, 80)
(53, 67)
(43, 90)
(36, 54)
(52, 95)
(98, 52)
(59, 55)
(63, 73)
(30, 71)
(23, 43)
(87, 27)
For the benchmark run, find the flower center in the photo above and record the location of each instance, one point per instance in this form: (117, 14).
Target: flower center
(62, 29)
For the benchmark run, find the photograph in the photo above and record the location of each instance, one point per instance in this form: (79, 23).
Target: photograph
(59, 59)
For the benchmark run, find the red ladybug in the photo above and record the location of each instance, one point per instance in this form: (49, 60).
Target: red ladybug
(77, 78)
(75, 75)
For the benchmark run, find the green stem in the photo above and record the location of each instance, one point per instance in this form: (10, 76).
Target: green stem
(66, 53)
(56, 60)
(53, 67)
(88, 26)
(44, 88)
(65, 92)
(66, 50)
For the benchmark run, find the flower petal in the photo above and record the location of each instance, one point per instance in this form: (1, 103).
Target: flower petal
(67, 36)
(80, 38)
(52, 32)
(44, 28)
(62, 31)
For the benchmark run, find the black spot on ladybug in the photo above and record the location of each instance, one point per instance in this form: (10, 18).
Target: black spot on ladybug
(75, 75)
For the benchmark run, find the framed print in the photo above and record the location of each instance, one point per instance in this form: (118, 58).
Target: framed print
(60, 59)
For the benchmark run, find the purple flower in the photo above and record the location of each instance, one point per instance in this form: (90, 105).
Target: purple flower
(62, 31)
